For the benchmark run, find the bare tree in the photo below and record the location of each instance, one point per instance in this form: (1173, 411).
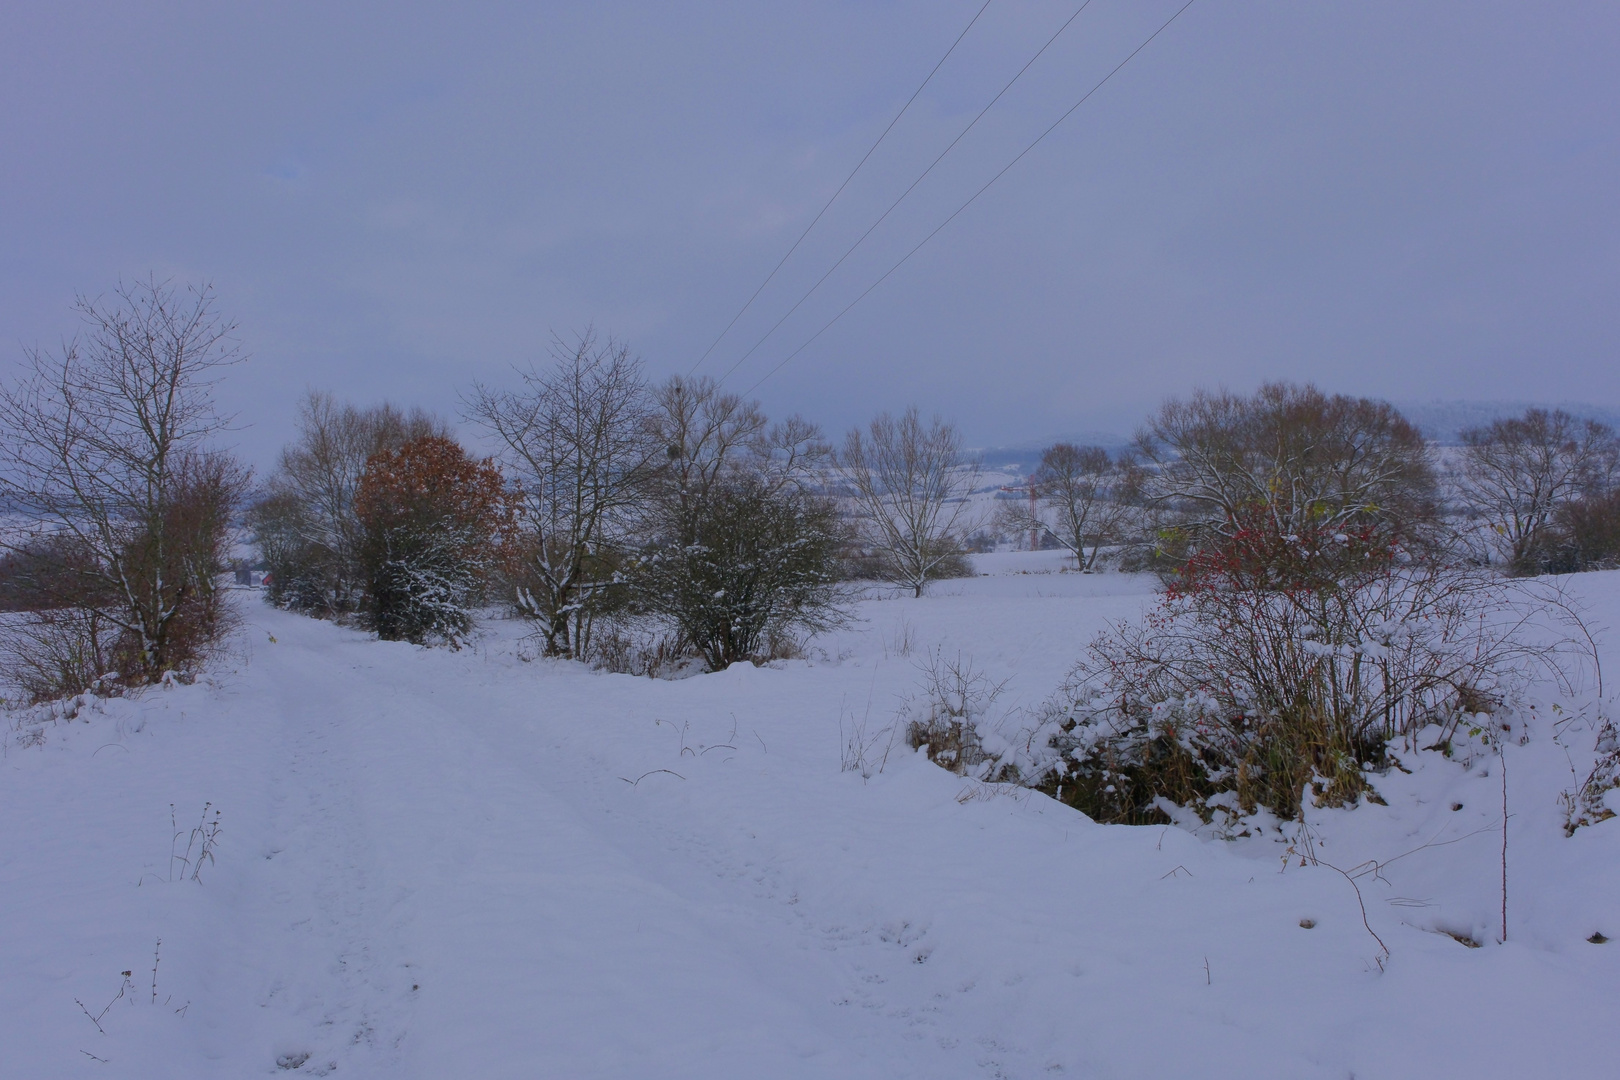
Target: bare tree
(1517, 473)
(705, 434)
(1302, 458)
(796, 455)
(107, 447)
(580, 441)
(910, 484)
(1586, 534)
(306, 526)
(1080, 500)
(1311, 617)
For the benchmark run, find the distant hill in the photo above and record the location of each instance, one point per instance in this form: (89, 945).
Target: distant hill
(1442, 421)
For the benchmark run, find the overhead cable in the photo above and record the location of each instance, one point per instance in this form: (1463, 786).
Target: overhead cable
(828, 205)
(1099, 85)
(922, 176)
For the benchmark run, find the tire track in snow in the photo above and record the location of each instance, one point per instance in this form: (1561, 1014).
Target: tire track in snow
(338, 992)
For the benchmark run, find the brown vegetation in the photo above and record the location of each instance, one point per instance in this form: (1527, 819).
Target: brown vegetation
(106, 450)
(433, 522)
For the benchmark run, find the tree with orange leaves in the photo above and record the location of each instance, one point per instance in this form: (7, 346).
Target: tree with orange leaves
(435, 521)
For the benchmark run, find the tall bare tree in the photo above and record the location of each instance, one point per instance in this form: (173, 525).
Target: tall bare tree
(910, 484)
(108, 447)
(706, 434)
(580, 441)
(1517, 472)
(1080, 500)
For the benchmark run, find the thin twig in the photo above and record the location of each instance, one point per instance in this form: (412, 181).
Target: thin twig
(1361, 903)
(644, 776)
(92, 1019)
(1501, 751)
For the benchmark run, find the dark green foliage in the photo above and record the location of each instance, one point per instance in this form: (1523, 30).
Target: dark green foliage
(744, 563)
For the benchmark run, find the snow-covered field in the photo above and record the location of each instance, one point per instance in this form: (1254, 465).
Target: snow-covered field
(481, 864)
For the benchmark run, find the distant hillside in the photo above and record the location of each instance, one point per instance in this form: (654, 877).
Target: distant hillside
(1442, 421)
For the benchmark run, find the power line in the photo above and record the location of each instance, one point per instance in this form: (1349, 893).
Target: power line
(829, 323)
(862, 238)
(750, 303)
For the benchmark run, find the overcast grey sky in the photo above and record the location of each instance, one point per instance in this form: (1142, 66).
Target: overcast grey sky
(1404, 200)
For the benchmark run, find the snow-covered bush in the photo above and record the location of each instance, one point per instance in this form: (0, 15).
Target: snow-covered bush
(433, 521)
(1284, 663)
(1310, 614)
(1588, 803)
(951, 716)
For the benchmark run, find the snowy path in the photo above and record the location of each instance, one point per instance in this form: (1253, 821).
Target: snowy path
(437, 865)
(465, 918)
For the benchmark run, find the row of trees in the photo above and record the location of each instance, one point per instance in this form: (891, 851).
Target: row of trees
(381, 515)
(681, 503)
(608, 497)
(1538, 493)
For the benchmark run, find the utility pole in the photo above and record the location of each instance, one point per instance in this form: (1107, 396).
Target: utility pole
(1034, 518)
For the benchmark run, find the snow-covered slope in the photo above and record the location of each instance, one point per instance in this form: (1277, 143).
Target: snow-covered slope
(438, 864)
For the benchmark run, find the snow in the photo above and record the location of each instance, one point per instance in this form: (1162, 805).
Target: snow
(489, 865)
